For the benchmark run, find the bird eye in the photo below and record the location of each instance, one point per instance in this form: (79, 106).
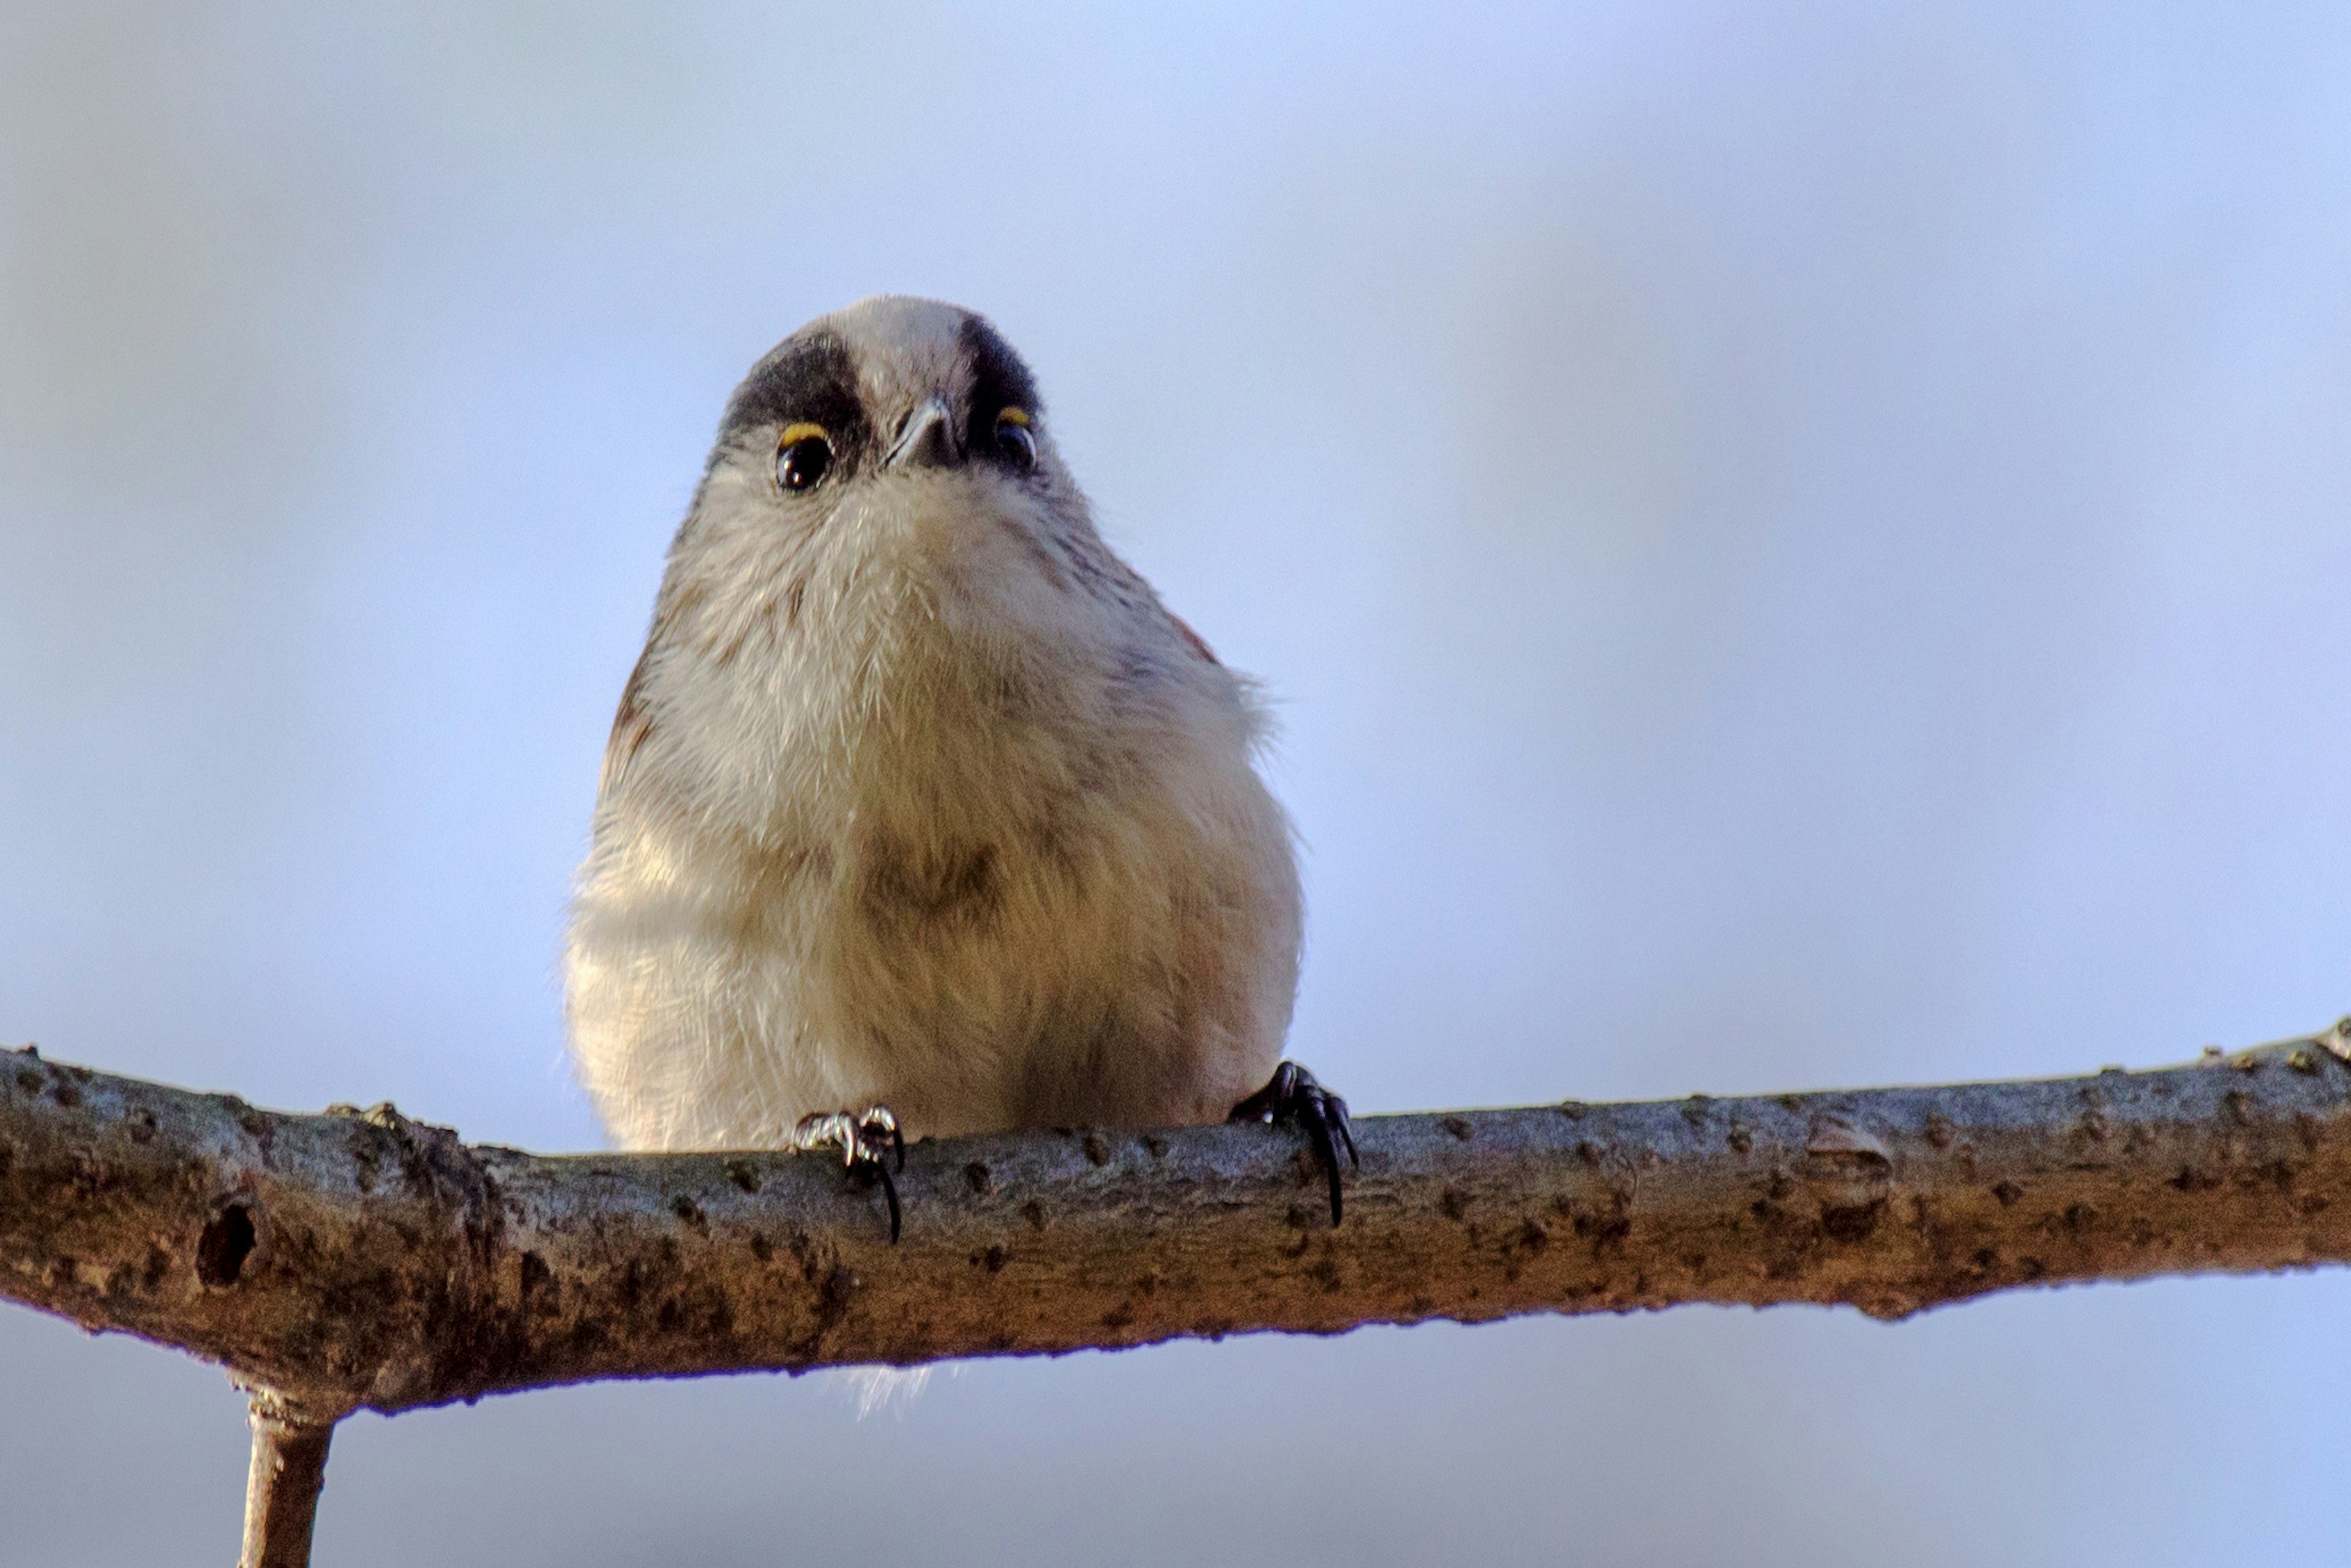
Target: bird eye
(1013, 441)
(803, 454)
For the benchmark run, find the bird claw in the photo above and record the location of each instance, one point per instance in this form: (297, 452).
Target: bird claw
(1292, 1099)
(863, 1139)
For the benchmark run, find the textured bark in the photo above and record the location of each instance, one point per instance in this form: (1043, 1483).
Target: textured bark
(281, 1492)
(361, 1259)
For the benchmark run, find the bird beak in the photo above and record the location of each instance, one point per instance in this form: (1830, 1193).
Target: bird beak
(927, 439)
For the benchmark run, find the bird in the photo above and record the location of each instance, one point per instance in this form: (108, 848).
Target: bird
(921, 813)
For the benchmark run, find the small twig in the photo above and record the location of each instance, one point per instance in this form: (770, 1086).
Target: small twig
(281, 1490)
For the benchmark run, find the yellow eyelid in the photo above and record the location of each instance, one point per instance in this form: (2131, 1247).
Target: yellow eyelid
(1010, 414)
(794, 434)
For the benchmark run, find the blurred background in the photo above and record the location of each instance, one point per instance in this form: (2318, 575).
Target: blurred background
(1796, 547)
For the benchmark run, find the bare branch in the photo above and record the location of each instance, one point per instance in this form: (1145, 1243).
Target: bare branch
(353, 1258)
(281, 1492)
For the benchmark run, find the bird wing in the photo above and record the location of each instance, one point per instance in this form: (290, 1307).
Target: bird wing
(1200, 643)
(631, 724)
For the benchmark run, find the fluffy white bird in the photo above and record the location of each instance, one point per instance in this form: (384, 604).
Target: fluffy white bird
(919, 798)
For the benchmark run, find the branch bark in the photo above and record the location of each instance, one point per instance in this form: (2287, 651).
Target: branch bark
(365, 1260)
(281, 1490)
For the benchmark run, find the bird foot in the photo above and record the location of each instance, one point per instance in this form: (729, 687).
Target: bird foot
(1294, 1099)
(863, 1140)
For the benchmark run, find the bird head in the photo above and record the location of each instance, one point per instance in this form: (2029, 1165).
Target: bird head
(890, 459)
(889, 390)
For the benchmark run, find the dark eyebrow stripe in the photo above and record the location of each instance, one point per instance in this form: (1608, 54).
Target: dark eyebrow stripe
(806, 378)
(998, 377)
(998, 380)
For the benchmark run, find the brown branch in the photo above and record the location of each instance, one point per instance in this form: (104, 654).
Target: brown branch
(361, 1258)
(353, 1259)
(281, 1491)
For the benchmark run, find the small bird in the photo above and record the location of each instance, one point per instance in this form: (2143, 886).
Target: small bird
(921, 813)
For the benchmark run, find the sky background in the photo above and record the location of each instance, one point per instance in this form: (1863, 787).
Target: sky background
(1795, 547)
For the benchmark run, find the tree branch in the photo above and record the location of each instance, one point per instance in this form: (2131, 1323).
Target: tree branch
(364, 1259)
(281, 1491)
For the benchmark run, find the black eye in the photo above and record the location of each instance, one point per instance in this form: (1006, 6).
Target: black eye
(1013, 441)
(803, 456)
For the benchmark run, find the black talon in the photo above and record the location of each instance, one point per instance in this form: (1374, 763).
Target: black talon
(1346, 1130)
(881, 1168)
(890, 1188)
(1292, 1098)
(1321, 1135)
(860, 1141)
